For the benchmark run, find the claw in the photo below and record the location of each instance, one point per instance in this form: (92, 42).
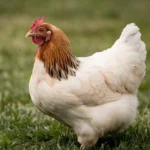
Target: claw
(82, 147)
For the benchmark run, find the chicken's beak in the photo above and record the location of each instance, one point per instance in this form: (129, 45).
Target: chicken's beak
(29, 34)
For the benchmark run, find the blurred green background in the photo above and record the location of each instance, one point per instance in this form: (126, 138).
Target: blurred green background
(91, 26)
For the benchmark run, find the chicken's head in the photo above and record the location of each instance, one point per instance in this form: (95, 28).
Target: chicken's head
(40, 31)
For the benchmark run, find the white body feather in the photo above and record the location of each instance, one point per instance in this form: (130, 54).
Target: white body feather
(101, 98)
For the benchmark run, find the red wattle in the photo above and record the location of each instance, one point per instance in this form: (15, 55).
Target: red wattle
(38, 40)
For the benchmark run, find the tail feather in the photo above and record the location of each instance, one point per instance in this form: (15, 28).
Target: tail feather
(132, 55)
(131, 31)
(131, 36)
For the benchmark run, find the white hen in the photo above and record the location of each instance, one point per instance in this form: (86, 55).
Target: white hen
(99, 96)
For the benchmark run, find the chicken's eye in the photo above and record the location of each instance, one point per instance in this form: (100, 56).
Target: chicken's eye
(41, 29)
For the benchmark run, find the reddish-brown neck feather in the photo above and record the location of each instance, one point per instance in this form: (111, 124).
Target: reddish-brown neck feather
(57, 56)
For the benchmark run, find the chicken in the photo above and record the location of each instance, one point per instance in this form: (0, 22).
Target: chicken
(94, 95)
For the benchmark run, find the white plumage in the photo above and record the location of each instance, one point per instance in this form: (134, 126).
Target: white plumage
(101, 98)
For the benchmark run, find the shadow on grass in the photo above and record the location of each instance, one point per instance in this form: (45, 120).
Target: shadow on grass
(128, 139)
(107, 142)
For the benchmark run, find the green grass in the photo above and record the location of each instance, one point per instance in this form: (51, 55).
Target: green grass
(91, 26)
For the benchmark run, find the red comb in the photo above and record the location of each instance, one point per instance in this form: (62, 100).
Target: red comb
(36, 23)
